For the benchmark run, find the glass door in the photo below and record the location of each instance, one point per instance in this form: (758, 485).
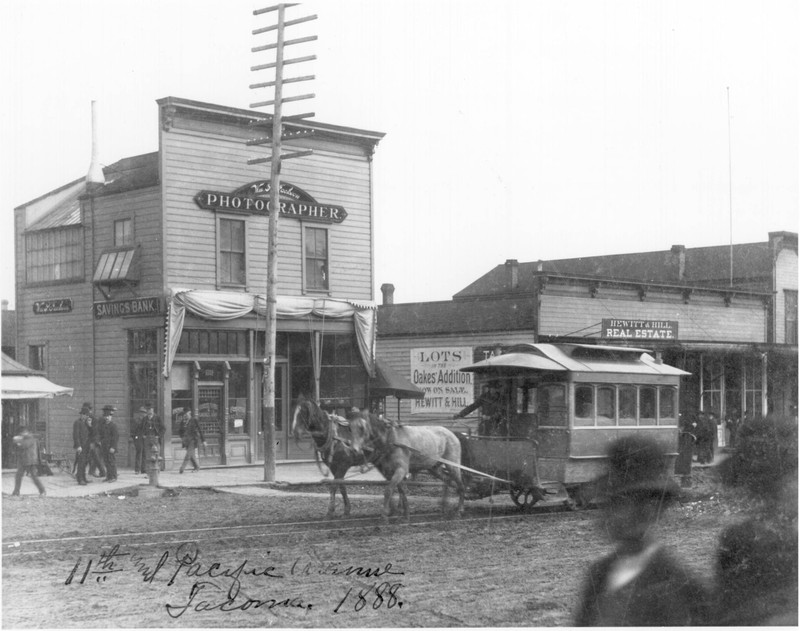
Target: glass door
(211, 415)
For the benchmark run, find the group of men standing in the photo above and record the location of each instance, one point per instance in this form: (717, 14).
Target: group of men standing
(96, 441)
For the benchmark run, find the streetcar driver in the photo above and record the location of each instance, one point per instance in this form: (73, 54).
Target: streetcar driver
(491, 406)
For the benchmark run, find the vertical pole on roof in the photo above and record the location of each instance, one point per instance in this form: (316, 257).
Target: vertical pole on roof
(730, 187)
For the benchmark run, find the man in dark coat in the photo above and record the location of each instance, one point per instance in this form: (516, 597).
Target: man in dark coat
(28, 448)
(109, 436)
(640, 583)
(82, 442)
(191, 436)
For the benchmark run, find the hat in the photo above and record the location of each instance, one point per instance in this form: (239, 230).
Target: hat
(86, 409)
(637, 467)
(143, 410)
(109, 408)
(148, 405)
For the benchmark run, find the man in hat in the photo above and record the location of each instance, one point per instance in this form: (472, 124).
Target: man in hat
(82, 441)
(109, 436)
(639, 584)
(28, 448)
(151, 429)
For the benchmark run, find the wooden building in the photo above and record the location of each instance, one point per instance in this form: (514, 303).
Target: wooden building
(145, 281)
(731, 321)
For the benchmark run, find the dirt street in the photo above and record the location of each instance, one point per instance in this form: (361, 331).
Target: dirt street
(511, 572)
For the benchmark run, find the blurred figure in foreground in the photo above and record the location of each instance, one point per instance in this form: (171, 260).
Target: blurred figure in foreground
(28, 448)
(757, 558)
(640, 583)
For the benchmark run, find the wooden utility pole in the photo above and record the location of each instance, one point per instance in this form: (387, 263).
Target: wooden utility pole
(268, 418)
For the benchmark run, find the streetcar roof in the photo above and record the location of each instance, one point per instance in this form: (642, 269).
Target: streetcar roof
(575, 358)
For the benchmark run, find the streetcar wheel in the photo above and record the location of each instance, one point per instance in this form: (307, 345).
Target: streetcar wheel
(525, 498)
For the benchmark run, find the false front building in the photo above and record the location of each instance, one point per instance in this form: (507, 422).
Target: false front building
(147, 283)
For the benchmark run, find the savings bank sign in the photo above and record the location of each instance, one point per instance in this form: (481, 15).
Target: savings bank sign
(254, 199)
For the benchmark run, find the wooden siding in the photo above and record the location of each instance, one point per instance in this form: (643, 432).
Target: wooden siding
(572, 312)
(395, 352)
(785, 278)
(193, 161)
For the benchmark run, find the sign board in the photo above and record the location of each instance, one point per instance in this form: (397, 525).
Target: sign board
(254, 198)
(57, 305)
(133, 307)
(639, 329)
(436, 371)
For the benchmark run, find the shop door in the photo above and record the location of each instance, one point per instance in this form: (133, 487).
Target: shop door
(211, 415)
(285, 447)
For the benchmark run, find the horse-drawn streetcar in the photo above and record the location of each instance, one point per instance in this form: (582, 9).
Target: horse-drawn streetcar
(549, 412)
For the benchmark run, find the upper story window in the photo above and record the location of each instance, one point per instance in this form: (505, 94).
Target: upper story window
(790, 308)
(54, 255)
(36, 357)
(315, 246)
(231, 261)
(123, 232)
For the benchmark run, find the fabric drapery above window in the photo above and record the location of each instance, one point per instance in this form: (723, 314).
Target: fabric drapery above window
(228, 305)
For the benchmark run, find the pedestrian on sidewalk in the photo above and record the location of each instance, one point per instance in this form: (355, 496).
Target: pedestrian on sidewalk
(109, 437)
(139, 464)
(82, 442)
(191, 436)
(28, 450)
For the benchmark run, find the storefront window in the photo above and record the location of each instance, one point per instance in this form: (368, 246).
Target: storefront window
(143, 342)
(713, 376)
(143, 378)
(343, 377)
(752, 388)
(205, 342)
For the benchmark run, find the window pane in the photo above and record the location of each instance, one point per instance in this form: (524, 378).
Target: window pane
(627, 405)
(666, 402)
(647, 406)
(605, 406)
(552, 405)
(232, 251)
(584, 405)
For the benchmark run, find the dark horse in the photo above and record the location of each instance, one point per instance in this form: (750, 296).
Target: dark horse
(398, 450)
(335, 443)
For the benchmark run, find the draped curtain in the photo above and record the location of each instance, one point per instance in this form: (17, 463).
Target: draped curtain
(222, 305)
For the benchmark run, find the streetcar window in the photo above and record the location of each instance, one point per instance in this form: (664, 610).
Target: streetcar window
(667, 413)
(584, 405)
(647, 405)
(605, 406)
(627, 405)
(551, 405)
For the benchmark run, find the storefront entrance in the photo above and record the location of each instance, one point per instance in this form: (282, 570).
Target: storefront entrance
(285, 447)
(211, 416)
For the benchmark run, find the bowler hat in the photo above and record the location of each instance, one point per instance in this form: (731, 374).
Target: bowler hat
(109, 408)
(143, 410)
(637, 468)
(86, 409)
(148, 405)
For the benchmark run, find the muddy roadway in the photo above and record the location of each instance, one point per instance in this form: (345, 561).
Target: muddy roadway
(198, 558)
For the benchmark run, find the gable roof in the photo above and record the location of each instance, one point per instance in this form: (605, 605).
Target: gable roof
(705, 266)
(433, 318)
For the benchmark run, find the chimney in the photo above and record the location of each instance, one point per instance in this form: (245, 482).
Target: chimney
(388, 293)
(512, 274)
(95, 177)
(678, 260)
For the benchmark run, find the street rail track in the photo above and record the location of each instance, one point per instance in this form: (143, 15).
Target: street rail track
(267, 531)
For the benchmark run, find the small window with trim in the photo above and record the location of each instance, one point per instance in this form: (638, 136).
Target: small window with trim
(231, 267)
(123, 232)
(315, 262)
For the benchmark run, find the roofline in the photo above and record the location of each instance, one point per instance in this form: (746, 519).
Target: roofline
(53, 192)
(251, 116)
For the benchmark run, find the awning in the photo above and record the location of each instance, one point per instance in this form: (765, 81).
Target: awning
(31, 387)
(388, 383)
(118, 265)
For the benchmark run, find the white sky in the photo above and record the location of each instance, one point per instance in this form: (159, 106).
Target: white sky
(514, 129)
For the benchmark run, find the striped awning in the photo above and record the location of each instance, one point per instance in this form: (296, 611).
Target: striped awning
(118, 265)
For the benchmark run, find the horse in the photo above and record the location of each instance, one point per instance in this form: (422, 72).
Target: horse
(337, 442)
(398, 450)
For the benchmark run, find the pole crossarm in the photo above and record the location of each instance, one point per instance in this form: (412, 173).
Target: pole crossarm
(274, 7)
(287, 99)
(273, 27)
(285, 62)
(269, 84)
(288, 42)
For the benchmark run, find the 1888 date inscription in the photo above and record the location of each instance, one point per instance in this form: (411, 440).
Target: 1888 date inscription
(195, 584)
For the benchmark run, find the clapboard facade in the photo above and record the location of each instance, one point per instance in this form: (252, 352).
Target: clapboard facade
(148, 286)
(727, 316)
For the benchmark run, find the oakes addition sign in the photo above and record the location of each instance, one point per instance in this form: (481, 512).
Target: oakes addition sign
(639, 329)
(254, 199)
(133, 307)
